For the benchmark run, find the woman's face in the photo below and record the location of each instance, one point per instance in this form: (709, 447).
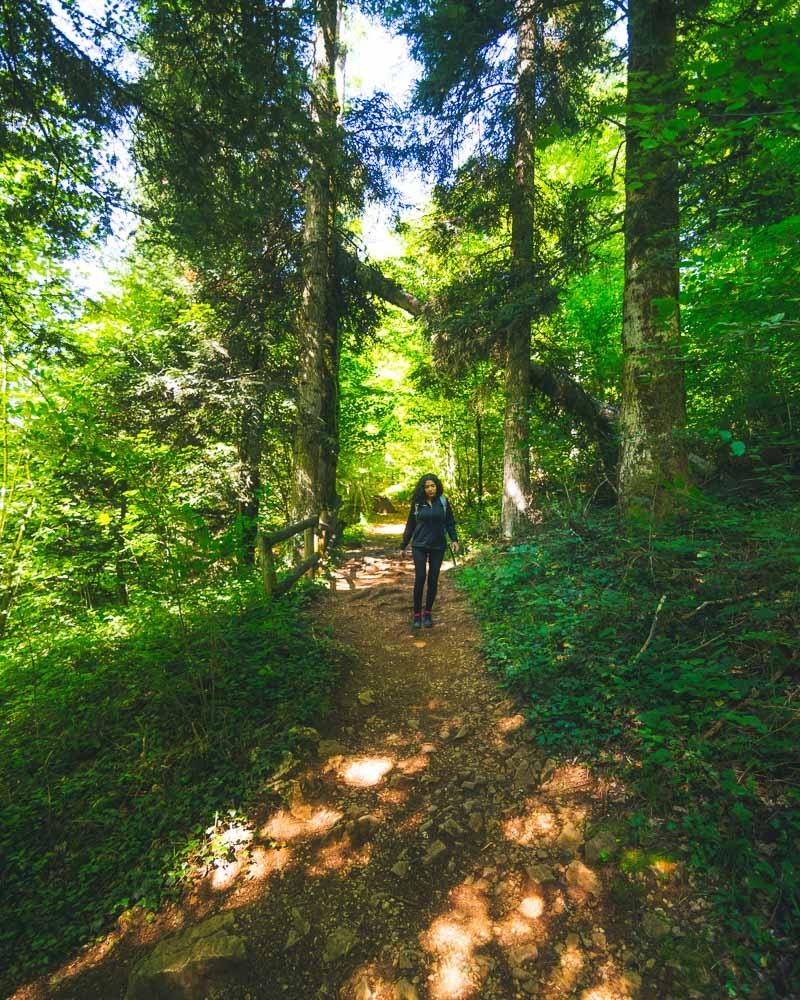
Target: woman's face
(430, 489)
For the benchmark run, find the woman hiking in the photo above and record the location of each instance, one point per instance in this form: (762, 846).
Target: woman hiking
(430, 516)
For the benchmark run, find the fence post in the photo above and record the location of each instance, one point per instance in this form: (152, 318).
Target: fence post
(308, 547)
(267, 564)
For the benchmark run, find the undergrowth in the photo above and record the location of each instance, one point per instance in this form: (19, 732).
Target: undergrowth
(674, 658)
(123, 737)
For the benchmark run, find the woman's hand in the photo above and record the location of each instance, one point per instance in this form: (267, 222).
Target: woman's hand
(454, 546)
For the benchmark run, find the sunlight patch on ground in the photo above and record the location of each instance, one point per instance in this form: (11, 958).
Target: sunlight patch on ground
(366, 983)
(569, 968)
(392, 796)
(284, 826)
(339, 857)
(453, 939)
(415, 764)
(664, 867)
(614, 985)
(512, 930)
(264, 862)
(365, 772)
(536, 825)
(571, 778)
(511, 723)
(388, 528)
(224, 874)
(235, 835)
(397, 740)
(532, 907)
(411, 823)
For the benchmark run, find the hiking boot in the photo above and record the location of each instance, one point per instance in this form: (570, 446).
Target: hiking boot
(417, 621)
(427, 621)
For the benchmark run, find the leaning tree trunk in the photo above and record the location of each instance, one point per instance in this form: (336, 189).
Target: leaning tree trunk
(316, 446)
(653, 457)
(516, 461)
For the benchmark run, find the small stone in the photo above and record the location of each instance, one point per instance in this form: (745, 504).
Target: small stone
(364, 829)
(522, 953)
(654, 926)
(339, 944)
(583, 878)
(475, 822)
(540, 873)
(601, 847)
(180, 965)
(570, 838)
(330, 748)
(452, 828)
(526, 775)
(435, 852)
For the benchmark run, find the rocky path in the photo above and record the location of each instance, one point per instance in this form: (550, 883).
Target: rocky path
(424, 850)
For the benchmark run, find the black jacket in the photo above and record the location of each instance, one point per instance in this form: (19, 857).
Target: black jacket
(427, 523)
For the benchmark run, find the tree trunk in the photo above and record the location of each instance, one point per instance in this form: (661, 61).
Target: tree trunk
(516, 461)
(479, 437)
(251, 435)
(316, 447)
(653, 447)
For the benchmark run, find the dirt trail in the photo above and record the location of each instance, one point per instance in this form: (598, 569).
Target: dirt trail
(427, 850)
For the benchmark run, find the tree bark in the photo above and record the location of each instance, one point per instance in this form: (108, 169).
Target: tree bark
(479, 437)
(653, 416)
(516, 422)
(316, 446)
(251, 436)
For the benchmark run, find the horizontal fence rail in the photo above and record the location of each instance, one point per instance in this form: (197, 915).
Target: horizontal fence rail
(316, 539)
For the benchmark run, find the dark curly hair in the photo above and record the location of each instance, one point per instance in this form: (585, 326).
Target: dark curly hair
(419, 490)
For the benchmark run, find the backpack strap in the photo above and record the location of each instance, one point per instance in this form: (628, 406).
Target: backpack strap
(443, 498)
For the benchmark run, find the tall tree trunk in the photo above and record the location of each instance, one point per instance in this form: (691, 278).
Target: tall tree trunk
(516, 462)
(251, 436)
(479, 437)
(316, 448)
(653, 415)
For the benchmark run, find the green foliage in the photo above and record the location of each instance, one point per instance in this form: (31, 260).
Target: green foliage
(697, 696)
(124, 734)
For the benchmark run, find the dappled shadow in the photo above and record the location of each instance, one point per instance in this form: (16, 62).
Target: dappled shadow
(431, 831)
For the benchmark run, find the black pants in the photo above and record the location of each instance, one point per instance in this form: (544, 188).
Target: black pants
(430, 559)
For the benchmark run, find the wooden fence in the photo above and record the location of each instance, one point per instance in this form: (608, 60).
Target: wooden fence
(316, 540)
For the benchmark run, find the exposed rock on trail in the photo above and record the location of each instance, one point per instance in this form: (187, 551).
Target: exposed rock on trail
(427, 848)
